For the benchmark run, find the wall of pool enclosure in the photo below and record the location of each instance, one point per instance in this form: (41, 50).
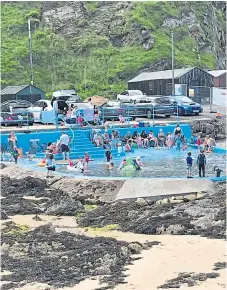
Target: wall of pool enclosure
(53, 135)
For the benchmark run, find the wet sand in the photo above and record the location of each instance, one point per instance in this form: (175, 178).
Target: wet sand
(174, 255)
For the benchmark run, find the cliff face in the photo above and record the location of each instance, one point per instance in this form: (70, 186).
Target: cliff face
(97, 46)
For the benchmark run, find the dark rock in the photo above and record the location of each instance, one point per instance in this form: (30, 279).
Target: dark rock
(2, 166)
(62, 259)
(219, 265)
(4, 216)
(37, 218)
(189, 279)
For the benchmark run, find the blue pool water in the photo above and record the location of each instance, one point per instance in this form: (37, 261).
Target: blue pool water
(157, 163)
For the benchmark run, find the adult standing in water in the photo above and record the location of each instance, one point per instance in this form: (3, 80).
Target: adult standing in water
(201, 162)
(64, 143)
(177, 130)
(12, 142)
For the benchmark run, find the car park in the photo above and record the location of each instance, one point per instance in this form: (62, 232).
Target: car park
(113, 109)
(154, 106)
(15, 112)
(38, 107)
(130, 96)
(186, 106)
(147, 107)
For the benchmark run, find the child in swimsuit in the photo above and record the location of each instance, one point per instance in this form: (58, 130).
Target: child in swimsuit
(139, 162)
(123, 164)
(86, 159)
(199, 142)
(139, 142)
(127, 147)
(80, 165)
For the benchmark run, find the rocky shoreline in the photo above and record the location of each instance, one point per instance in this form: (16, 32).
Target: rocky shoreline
(60, 258)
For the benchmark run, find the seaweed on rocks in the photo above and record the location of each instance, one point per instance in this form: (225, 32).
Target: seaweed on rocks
(64, 259)
(205, 216)
(190, 279)
(20, 187)
(219, 265)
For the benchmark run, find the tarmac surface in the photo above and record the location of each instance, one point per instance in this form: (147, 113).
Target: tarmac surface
(206, 115)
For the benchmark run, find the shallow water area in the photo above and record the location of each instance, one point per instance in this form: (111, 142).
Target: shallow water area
(158, 163)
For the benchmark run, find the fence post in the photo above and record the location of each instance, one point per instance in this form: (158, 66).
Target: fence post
(56, 120)
(177, 114)
(211, 99)
(27, 122)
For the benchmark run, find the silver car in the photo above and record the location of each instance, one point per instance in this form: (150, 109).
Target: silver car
(133, 96)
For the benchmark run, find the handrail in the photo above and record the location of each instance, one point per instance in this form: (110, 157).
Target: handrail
(63, 119)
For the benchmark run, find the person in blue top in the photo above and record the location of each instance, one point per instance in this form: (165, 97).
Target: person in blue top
(189, 165)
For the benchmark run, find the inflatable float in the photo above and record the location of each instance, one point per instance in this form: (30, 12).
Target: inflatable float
(42, 163)
(129, 168)
(74, 169)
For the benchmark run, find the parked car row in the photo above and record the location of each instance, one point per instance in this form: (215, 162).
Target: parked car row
(15, 112)
(130, 103)
(146, 107)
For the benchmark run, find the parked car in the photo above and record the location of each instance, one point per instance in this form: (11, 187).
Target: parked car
(155, 105)
(38, 107)
(130, 96)
(15, 112)
(113, 109)
(186, 106)
(159, 104)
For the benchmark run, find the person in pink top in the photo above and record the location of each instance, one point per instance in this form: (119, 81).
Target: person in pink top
(199, 142)
(86, 159)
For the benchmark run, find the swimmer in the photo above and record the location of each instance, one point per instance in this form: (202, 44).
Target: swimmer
(15, 154)
(139, 162)
(80, 165)
(127, 147)
(110, 166)
(123, 164)
(199, 142)
(218, 171)
(86, 159)
(178, 143)
(135, 164)
(70, 163)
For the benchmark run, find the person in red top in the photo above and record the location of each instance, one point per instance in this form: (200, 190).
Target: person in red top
(199, 142)
(86, 159)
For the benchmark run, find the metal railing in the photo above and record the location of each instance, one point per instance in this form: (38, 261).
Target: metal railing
(130, 113)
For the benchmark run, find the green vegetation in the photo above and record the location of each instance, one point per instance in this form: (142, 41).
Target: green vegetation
(107, 228)
(16, 230)
(88, 207)
(89, 61)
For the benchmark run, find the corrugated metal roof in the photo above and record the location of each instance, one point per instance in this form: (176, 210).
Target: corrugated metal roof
(217, 73)
(160, 75)
(12, 90)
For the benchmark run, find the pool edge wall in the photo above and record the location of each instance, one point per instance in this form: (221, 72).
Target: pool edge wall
(53, 136)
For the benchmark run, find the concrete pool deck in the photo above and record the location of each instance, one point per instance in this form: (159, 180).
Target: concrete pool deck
(156, 188)
(116, 188)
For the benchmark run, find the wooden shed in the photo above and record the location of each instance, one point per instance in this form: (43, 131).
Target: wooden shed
(219, 78)
(25, 92)
(160, 82)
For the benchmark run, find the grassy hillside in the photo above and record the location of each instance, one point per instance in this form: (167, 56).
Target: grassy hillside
(91, 63)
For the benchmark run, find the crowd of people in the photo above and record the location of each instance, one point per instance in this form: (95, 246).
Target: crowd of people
(126, 143)
(129, 142)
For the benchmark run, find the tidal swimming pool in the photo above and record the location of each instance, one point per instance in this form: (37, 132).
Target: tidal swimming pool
(157, 163)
